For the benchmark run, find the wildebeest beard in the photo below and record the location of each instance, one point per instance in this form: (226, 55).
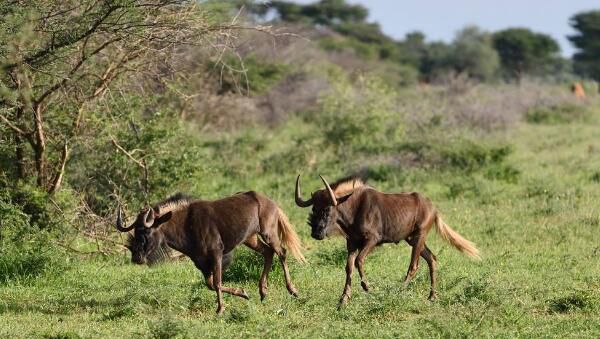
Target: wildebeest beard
(161, 253)
(320, 223)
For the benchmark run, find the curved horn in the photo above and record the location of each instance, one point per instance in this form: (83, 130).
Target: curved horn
(120, 222)
(299, 200)
(331, 194)
(149, 218)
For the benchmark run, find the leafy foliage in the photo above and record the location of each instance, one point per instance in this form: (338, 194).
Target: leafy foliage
(474, 54)
(28, 223)
(524, 52)
(555, 114)
(587, 41)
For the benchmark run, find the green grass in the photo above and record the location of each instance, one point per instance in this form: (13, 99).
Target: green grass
(539, 277)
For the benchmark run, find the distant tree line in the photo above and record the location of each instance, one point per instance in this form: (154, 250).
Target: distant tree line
(509, 54)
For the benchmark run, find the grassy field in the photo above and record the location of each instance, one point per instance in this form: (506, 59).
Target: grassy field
(539, 277)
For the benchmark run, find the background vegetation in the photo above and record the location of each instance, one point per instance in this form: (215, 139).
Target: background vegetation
(127, 102)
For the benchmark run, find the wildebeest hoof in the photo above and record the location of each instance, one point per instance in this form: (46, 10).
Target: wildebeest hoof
(365, 286)
(293, 292)
(220, 310)
(343, 300)
(263, 295)
(244, 295)
(432, 296)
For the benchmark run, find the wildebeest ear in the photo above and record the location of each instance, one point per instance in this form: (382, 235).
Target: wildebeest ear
(343, 198)
(163, 218)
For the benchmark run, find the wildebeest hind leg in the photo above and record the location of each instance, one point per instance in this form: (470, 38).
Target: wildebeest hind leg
(268, 233)
(418, 244)
(286, 272)
(431, 262)
(267, 253)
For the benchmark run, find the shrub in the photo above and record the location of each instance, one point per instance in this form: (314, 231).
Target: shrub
(361, 118)
(167, 328)
(250, 73)
(470, 156)
(27, 225)
(557, 114)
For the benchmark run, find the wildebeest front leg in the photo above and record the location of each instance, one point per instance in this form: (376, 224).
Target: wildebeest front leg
(206, 268)
(360, 261)
(238, 292)
(349, 268)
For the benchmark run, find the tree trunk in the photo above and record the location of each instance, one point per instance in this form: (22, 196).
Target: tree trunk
(20, 156)
(39, 147)
(19, 148)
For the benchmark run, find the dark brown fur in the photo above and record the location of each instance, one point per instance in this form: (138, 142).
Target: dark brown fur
(369, 218)
(208, 231)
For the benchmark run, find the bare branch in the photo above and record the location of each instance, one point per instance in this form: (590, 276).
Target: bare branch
(12, 126)
(73, 70)
(52, 47)
(138, 162)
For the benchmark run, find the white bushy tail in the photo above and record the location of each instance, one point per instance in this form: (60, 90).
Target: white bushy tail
(455, 239)
(289, 237)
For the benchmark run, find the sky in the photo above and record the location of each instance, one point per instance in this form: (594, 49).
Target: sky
(441, 19)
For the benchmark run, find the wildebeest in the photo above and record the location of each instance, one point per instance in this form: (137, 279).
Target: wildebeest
(369, 218)
(208, 231)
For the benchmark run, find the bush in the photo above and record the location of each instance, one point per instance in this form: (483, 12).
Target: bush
(470, 156)
(249, 73)
(27, 225)
(167, 328)
(557, 114)
(361, 118)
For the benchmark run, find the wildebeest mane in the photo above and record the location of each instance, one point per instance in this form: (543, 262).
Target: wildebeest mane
(347, 184)
(174, 202)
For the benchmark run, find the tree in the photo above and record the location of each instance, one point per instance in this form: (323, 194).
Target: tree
(436, 60)
(412, 49)
(324, 12)
(59, 57)
(474, 54)
(522, 51)
(587, 40)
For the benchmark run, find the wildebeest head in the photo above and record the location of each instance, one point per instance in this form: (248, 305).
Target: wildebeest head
(146, 236)
(324, 215)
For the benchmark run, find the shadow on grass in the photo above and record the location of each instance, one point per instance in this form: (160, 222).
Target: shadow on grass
(64, 306)
(167, 328)
(63, 335)
(331, 255)
(246, 265)
(578, 301)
